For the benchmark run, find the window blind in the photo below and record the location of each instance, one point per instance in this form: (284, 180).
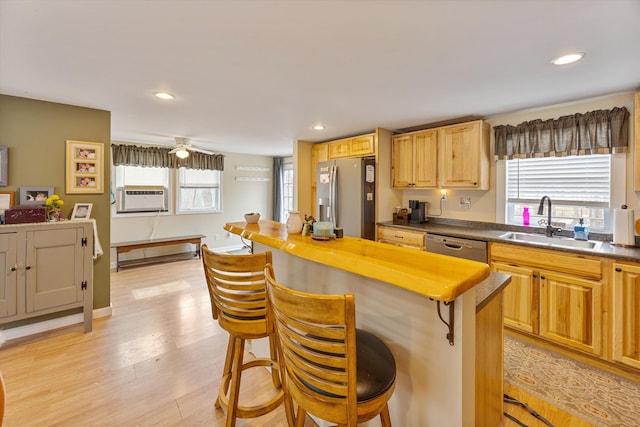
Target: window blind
(575, 180)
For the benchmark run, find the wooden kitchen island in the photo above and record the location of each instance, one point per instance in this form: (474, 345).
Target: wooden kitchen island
(408, 298)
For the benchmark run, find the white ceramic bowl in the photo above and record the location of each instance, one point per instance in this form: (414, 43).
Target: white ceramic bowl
(252, 218)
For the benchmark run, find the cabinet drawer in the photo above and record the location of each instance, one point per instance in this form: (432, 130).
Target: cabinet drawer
(401, 237)
(577, 264)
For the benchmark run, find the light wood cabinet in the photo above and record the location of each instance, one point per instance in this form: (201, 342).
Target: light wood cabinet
(571, 311)
(464, 161)
(399, 237)
(414, 160)
(47, 268)
(455, 156)
(520, 297)
(358, 146)
(563, 305)
(625, 314)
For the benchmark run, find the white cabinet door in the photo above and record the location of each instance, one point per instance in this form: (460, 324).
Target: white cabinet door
(8, 275)
(55, 271)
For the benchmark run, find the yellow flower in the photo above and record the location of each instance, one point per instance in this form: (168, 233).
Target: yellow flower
(54, 201)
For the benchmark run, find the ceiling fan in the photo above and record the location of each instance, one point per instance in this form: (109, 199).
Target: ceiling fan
(183, 147)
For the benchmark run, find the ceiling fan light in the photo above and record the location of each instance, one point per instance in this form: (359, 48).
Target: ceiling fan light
(182, 153)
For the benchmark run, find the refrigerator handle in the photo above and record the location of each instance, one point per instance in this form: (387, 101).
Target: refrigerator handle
(333, 199)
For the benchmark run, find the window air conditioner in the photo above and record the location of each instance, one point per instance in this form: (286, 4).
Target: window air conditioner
(141, 198)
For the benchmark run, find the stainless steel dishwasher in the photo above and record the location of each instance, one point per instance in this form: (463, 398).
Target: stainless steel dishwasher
(474, 250)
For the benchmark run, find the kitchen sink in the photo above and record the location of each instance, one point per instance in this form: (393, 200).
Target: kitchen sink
(559, 242)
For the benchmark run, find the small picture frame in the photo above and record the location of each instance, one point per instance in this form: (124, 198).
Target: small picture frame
(81, 211)
(4, 166)
(7, 200)
(84, 167)
(35, 196)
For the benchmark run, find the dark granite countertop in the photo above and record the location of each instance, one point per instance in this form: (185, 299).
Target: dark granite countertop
(491, 232)
(489, 288)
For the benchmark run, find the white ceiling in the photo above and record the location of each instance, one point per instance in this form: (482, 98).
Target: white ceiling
(254, 76)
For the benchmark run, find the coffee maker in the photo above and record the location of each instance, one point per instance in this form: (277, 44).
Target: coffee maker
(418, 212)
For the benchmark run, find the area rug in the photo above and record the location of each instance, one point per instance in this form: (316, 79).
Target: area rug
(598, 397)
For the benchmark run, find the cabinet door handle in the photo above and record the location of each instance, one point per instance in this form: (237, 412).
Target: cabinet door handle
(618, 269)
(398, 237)
(543, 278)
(27, 267)
(14, 268)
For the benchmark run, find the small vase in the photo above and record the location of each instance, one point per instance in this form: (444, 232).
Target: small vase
(294, 223)
(53, 215)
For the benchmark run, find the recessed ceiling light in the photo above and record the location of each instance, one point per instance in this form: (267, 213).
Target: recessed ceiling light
(164, 95)
(568, 59)
(318, 127)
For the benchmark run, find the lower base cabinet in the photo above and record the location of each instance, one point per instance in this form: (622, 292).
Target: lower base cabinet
(563, 305)
(571, 311)
(625, 314)
(401, 237)
(520, 297)
(46, 268)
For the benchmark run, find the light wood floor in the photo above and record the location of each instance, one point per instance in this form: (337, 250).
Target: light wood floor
(156, 361)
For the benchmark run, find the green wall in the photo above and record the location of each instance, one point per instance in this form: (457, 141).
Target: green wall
(36, 133)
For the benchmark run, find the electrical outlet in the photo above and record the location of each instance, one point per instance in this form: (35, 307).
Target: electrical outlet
(216, 237)
(465, 202)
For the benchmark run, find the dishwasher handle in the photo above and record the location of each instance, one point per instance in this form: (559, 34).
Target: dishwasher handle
(453, 246)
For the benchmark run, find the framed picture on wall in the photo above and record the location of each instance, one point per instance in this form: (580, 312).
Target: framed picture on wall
(34, 195)
(84, 167)
(4, 165)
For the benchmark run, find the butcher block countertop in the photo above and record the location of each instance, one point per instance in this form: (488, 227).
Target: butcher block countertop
(434, 276)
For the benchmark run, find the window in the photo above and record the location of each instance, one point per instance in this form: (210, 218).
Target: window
(138, 175)
(579, 187)
(199, 191)
(287, 190)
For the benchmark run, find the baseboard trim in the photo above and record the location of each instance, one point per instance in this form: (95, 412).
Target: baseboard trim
(51, 324)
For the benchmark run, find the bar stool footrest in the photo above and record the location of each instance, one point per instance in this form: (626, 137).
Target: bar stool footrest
(250, 411)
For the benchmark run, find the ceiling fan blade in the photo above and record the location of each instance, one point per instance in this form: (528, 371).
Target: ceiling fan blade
(174, 150)
(200, 150)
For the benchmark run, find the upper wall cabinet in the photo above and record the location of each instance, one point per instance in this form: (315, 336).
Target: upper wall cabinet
(414, 160)
(455, 156)
(358, 146)
(464, 156)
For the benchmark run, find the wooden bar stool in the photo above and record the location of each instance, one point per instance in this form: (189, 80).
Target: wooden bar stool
(330, 369)
(238, 301)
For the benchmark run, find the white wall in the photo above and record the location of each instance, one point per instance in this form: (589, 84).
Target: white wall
(483, 203)
(238, 198)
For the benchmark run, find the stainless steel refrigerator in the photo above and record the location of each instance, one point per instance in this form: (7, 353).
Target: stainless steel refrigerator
(345, 190)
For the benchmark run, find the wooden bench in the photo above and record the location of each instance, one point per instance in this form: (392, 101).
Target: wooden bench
(123, 247)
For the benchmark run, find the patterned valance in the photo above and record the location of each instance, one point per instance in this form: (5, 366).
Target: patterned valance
(157, 157)
(594, 132)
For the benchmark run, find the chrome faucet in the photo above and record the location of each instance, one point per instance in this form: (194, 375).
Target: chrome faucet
(550, 228)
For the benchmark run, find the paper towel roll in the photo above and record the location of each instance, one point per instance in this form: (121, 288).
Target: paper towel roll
(623, 227)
